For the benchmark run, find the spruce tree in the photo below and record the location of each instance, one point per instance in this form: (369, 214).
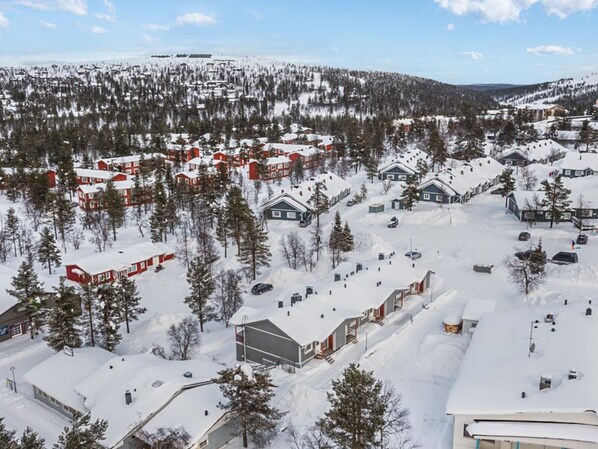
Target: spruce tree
(47, 251)
(319, 201)
(248, 395)
(556, 199)
(537, 259)
(356, 417)
(63, 321)
(63, 213)
(128, 300)
(347, 240)
(13, 227)
(236, 214)
(28, 290)
(89, 301)
(7, 437)
(109, 317)
(201, 285)
(255, 250)
(335, 242)
(158, 219)
(437, 148)
(82, 433)
(410, 194)
(508, 183)
(30, 440)
(422, 169)
(113, 203)
(471, 137)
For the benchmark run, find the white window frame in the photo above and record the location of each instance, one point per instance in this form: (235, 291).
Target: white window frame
(142, 265)
(204, 443)
(566, 216)
(402, 177)
(276, 214)
(567, 172)
(291, 215)
(132, 268)
(586, 213)
(84, 179)
(426, 196)
(439, 198)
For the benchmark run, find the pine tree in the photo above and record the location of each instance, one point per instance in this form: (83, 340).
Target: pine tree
(471, 138)
(371, 167)
(236, 214)
(248, 395)
(201, 285)
(158, 219)
(537, 259)
(347, 241)
(524, 273)
(82, 433)
(221, 230)
(63, 329)
(30, 440)
(556, 199)
(113, 203)
(363, 192)
(410, 194)
(508, 183)
(128, 300)
(63, 214)
(436, 147)
(319, 201)
(363, 413)
(7, 437)
(89, 301)
(47, 251)
(13, 226)
(255, 250)
(335, 241)
(228, 296)
(109, 317)
(28, 290)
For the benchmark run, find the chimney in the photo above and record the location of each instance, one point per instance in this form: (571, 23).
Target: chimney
(589, 311)
(572, 374)
(206, 413)
(128, 398)
(545, 382)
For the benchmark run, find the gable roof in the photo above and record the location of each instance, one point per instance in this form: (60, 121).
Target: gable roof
(290, 200)
(574, 160)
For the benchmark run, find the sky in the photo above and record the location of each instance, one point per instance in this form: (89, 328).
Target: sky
(455, 41)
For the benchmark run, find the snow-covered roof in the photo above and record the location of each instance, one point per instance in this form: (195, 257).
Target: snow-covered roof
(558, 432)
(575, 160)
(497, 367)
(408, 161)
(286, 148)
(290, 200)
(539, 106)
(98, 174)
(465, 176)
(476, 308)
(335, 303)
(60, 373)
(587, 186)
(121, 259)
(99, 187)
(6, 275)
(536, 151)
(153, 382)
(131, 158)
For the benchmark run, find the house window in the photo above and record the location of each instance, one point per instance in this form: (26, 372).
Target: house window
(548, 215)
(276, 214)
(528, 215)
(578, 173)
(16, 329)
(131, 269)
(439, 198)
(402, 177)
(390, 177)
(567, 172)
(83, 179)
(586, 213)
(426, 196)
(465, 432)
(90, 195)
(566, 215)
(291, 215)
(204, 443)
(142, 265)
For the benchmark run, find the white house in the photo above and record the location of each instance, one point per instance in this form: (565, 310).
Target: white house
(529, 380)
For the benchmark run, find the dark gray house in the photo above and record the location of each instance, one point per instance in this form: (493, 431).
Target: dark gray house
(397, 171)
(540, 152)
(286, 207)
(328, 317)
(576, 164)
(526, 207)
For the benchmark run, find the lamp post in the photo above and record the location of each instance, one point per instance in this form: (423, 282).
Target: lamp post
(14, 380)
(244, 320)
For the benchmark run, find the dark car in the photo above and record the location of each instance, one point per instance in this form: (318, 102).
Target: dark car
(258, 289)
(582, 239)
(413, 255)
(351, 203)
(393, 222)
(498, 191)
(305, 223)
(564, 257)
(524, 236)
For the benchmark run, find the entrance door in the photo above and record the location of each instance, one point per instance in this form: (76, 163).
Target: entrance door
(382, 311)
(331, 342)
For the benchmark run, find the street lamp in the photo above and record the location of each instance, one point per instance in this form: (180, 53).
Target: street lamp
(14, 380)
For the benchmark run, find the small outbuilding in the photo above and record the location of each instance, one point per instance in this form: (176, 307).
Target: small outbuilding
(376, 208)
(452, 324)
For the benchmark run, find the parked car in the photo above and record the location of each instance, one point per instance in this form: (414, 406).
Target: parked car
(525, 255)
(258, 289)
(413, 255)
(305, 223)
(582, 239)
(564, 257)
(498, 191)
(351, 203)
(524, 236)
(159, 268)
(393, 222)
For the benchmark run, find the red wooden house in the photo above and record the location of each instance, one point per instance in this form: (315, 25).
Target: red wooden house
(276, 167)
(110, 266)
(126, 164)
(184, 153)
(86, 176)
(7, 172)
(88, 195)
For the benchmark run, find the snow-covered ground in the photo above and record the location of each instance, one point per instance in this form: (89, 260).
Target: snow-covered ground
(410, 350)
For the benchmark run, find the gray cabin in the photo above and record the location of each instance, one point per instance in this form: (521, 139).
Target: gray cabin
(397, 171)
(286, 207)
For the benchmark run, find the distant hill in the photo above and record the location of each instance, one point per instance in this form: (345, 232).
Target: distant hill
(576, 94)
(488, 87)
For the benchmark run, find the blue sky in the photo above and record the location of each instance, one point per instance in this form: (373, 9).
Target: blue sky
(456, 41)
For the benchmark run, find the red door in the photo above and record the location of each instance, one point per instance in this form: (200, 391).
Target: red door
(382, 311)
(331, 342)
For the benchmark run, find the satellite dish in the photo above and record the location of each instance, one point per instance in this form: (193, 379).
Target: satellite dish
(532, 347)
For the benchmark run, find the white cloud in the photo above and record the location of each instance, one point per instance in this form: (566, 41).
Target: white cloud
(156, 27)
(97, 30)
(48, 25)
(110, 14)
(551, 50)
(472, 55)
(196, 18)
(78, 7)
(147, 39)
(450, 27)
(503, 11)
(4, 22)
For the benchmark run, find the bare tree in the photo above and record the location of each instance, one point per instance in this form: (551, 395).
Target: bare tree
(75, 237)
(313, 438)
(532, 207)
(184, 238)
(523, 273)
(101, 230)
(395, 432)
(227, 295)
(386, 185)
(528, 179)
(184, 338)
(293, 249)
